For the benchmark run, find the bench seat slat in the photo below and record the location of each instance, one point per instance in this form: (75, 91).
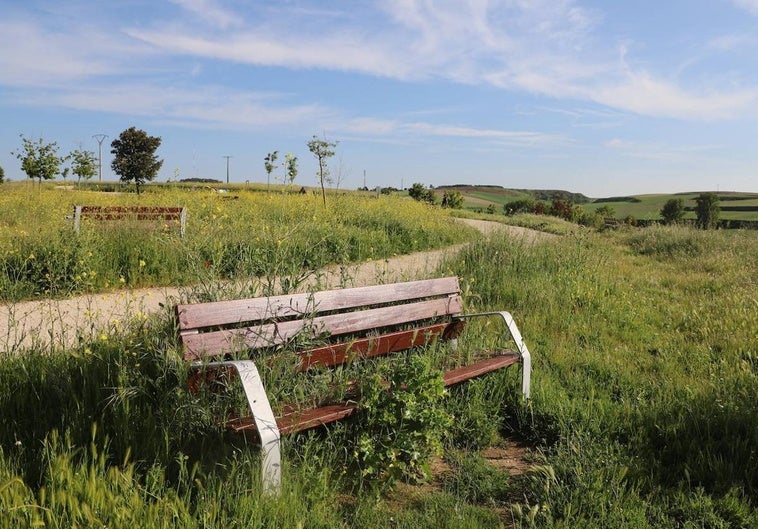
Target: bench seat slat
(232, 341)
(219, 313)
(312, 418)
(482, 367)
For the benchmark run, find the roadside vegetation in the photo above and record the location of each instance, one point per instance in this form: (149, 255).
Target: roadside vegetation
(643, 392)
(237, 234)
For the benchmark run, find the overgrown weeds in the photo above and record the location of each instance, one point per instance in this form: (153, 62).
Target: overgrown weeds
(644, 373)
(642, 413)
(256, 235)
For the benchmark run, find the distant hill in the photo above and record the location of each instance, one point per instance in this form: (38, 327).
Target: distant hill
(202, 180)
(500, 195)
(734, 206)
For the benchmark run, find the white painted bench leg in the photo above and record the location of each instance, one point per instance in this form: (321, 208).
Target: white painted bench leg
(264, 421)
(526, 357)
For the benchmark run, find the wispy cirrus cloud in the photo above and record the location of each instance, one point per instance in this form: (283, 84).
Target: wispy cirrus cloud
(344, 51)
(549, 48)
(213, 107)
(545, 48)
(751, 6)
(419, 129)
(210, 11)
(660, 151)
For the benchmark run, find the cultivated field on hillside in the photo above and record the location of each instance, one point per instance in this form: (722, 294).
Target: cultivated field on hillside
(733, 206)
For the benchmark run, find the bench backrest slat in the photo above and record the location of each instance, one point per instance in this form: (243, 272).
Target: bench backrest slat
(257, 310)
(341, 353)
(231, 341)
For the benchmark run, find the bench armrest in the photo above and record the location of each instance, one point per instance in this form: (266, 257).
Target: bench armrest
(526, 357)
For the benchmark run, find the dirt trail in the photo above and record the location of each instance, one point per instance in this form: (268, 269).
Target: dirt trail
(57, 324)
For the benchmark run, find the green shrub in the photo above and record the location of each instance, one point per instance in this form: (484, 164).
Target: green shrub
(402, 421)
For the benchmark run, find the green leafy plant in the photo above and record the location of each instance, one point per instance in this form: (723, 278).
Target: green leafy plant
(402, 421)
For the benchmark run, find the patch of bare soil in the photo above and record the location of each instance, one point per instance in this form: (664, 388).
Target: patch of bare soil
(512, 458)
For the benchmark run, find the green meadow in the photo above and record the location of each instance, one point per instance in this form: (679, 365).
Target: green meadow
(645, 378)
(733, 206)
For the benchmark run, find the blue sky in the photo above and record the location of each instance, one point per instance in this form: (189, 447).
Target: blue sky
(604, 98)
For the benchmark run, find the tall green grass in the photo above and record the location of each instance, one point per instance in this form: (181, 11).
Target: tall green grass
(643, 412)
(645, 376)
(269, 235)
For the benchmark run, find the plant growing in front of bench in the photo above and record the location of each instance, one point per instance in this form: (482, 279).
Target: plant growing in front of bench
(401, 421)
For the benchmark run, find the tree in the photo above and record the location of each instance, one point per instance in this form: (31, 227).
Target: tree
(707, 210)
(39, 160)
(290, 168)
(268, 163)
(419, 192)
(2, 175)
(322, 150)
(522, 205)
(562, 208)
(673, 211)
(83, 164)
(452, 199)
(134, 156)
(606, 211)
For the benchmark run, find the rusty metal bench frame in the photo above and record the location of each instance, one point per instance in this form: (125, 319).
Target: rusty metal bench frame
(113, 213)
(378, 320)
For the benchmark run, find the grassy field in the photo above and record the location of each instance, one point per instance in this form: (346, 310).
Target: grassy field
(743, 206)
(242, 233)
(643, 411)
(734, 206)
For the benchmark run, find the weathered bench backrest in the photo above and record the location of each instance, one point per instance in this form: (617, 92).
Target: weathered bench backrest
(230, 327)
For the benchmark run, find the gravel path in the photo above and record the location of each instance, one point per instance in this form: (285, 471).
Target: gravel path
(57, 324)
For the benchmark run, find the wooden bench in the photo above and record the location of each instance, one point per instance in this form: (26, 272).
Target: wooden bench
(351, 323)
(610, 222)
(141, 213)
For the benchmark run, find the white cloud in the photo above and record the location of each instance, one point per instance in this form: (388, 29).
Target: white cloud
(210, 11)
(546, 47)
(751, 6)
(211, 107)
(643, 94)
(660, 151)
(373, 127)
(344, 51)
(33, 55)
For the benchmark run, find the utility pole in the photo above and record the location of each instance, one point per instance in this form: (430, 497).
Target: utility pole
(100, 138)
(364, 179)
(227, 168)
